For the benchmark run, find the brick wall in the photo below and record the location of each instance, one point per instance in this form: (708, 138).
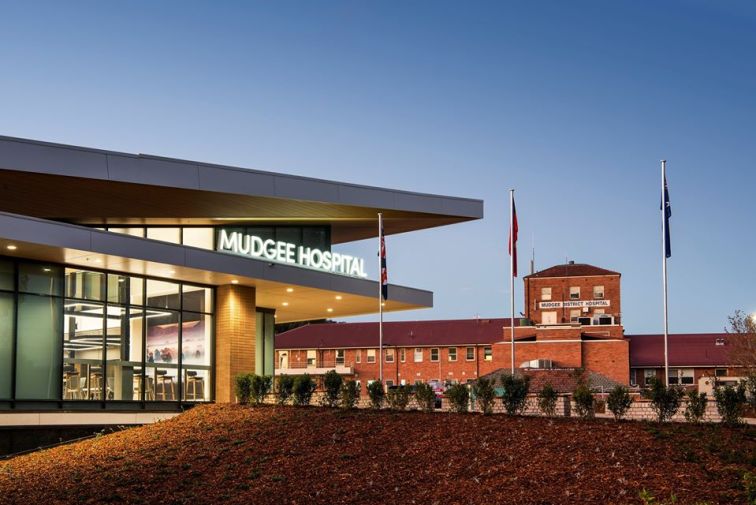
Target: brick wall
(235, 328)
(560, 291)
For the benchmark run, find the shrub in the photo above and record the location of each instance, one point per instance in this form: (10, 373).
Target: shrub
(459, 397)
(376, 393)
(619, 401)
(665, 401)
(696, 408)
(303, 389)
(398, 397)
(731, 402)
(585, 403)
(332, 382)
(485, 394)
(425, 397)
(349, 394)
(284, 389)
(547, 399)
(259, 388)
(515, 393)
(243, 387)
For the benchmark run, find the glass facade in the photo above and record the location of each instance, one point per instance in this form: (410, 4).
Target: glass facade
(204, 237)
(68, 334)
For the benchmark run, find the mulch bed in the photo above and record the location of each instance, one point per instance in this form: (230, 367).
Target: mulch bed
(287, 455)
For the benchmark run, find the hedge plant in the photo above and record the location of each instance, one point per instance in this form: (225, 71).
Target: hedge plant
(303, 389)
(242, 388)
(398, 397)
(547, 400)
(731, 402)
(425, 397)
(696, 408)
(459, 397)
(259, 388)
(619, 401)
(376, 393)
(665, 401)
(585, 403)
(485, 395)
(515, 394)
(332, 383)
(349, 394)
(284, 389)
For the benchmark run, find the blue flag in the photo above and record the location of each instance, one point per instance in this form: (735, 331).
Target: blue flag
(667, 209)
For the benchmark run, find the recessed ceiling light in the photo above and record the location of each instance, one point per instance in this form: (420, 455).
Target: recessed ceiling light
(45, 269)
(285, 304)
(171, 272)
(329, 309)
(98, 260)
(11, 247)
(339, 297)
(383, 304)
(289, 290)
(234, 281)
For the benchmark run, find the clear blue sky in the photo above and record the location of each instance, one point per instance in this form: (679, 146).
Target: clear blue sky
(571, 103)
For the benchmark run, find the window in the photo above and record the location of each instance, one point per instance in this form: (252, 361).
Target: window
(681, 376)
(390, 355)
(358, 356)
(198, 237)
(549, 317)
(402, 355)
(311, 357)
(648, 374)
(389, 384)
(418, 355)
(574, 292)
(434, 354)
(371, 355)
(598, 292)
(339, 356)
(452, 354)
(545, 294)
(599, 311)
(574, 314)
(720, 372)
(487, 353)
(470, 353)
(172, 235)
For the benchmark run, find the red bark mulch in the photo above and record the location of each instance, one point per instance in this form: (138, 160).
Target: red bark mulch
(276, 455)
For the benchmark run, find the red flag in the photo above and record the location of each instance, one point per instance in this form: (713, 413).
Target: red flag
(513, 243)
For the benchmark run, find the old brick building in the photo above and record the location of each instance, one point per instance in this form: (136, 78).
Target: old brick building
(572, 321)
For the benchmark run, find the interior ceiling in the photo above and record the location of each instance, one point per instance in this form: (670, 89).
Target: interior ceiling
(291, 302)
(73, 199)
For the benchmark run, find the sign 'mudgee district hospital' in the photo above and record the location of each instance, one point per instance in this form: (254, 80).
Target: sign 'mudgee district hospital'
(285, 252)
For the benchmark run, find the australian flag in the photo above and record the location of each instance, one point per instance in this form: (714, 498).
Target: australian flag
(667, 209)
(384, 272)
(513, 239)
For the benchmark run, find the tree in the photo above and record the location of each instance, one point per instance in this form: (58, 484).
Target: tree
(585, 403)
(459, 397)
(742, 343)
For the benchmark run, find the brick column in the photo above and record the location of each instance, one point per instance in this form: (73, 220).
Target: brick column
(234, 337)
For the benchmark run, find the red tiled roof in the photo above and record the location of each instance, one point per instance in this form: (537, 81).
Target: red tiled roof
(685, 349)
(398, 333)
(572, 270)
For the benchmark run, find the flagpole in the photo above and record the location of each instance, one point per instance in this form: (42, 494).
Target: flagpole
(511, 272)
(664, 267)
(380, 296)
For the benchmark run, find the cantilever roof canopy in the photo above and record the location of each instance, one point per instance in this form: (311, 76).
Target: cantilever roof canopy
(96, 187)
(312, 293)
